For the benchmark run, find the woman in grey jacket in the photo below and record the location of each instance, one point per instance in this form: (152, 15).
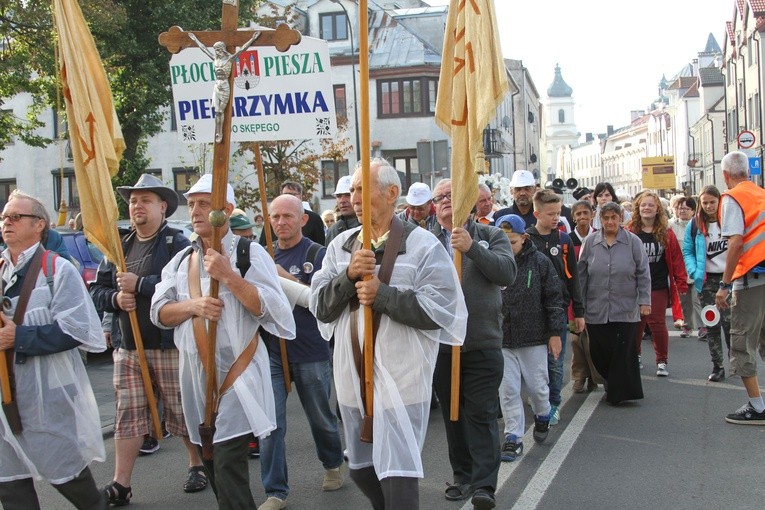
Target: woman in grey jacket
(616, 286)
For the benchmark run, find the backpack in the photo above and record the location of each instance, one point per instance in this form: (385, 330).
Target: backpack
(49, 267)
(243, 254)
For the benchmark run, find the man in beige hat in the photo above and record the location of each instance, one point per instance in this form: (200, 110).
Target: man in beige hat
(148, 247)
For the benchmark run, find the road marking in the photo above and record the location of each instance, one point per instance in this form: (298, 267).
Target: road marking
(695, 382)
(539, 483)
(506, 469)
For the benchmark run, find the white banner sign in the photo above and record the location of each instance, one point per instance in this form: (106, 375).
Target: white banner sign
(276, 96)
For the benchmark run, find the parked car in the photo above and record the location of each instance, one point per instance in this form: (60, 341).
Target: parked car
(84, 252)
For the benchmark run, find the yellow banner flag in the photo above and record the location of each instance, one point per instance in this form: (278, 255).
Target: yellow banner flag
(95, 135)
(472, 84)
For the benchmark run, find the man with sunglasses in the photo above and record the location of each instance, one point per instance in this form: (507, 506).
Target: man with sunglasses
(60, 428)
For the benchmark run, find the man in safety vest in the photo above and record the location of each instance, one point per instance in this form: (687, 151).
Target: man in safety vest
(743, 223)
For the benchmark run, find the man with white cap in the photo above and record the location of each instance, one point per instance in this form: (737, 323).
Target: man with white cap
(420, 209)
(148, 247)
(522, 188)
(345, 219)
(249, 298)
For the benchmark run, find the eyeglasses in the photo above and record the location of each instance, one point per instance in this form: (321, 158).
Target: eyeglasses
(16, 217)
(440, 198)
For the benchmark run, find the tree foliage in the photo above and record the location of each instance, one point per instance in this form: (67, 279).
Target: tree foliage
(126, 34)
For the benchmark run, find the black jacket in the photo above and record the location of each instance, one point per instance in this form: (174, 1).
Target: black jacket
(104, 290)
(342, 224)
(532, 306)
(563, 256)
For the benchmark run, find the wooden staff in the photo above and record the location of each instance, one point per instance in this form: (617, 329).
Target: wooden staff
(454, 401)
(366, 202)
(270, 246)
(5, 379)
(151, 399)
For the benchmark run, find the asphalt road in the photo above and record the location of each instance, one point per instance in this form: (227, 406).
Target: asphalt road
(672, 450)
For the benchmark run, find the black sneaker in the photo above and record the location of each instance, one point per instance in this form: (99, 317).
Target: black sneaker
(512, 448)
(165, 432)
(746, 415)
(717, 375)
(541, 428)
(149, 446)
(255, 449)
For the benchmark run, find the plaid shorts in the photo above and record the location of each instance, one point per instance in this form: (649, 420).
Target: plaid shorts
(132, 418)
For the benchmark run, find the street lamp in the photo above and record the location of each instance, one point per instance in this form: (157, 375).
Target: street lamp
(353, 72)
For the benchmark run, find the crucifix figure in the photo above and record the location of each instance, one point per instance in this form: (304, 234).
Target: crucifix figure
(222, 62)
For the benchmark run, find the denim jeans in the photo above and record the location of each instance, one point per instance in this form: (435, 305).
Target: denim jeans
(313, 384)
(555, 369)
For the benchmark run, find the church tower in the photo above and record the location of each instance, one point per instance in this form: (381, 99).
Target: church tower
(560, 127)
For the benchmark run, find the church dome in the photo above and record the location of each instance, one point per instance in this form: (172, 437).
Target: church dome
(559, 88)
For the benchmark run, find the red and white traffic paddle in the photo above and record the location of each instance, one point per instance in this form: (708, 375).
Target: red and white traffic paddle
(710, 315)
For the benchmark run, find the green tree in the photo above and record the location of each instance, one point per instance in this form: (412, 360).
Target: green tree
(126, 34)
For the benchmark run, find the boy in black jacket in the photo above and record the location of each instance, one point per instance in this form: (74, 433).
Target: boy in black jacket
(559, 249)
(532, 311)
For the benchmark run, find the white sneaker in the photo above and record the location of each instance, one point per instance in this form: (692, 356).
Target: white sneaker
(273, 503)
(661, 370)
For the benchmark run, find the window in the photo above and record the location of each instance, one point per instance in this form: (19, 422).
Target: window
(406, 97)
(334, 26)
(341, 106)
(183, 179)
(70, 187)
(561, 116)
(405, 162)
(331, 171)
(756, 109)
(6, 187)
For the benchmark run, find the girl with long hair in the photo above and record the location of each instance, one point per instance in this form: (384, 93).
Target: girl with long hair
(668, 276)
(705, 252)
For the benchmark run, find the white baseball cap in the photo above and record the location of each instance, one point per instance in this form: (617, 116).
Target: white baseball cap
(204, 185)
(343, 185)
(419, 193)
(522, 178)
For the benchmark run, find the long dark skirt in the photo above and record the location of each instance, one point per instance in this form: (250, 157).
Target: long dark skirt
(614, 354)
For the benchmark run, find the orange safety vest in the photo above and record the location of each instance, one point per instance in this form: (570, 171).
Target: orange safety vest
(751, 199)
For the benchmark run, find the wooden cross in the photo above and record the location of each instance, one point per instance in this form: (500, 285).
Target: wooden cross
(175, 39)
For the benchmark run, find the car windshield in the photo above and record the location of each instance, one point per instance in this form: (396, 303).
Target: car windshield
(95, 253)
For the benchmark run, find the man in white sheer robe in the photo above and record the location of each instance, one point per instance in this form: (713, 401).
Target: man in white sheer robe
(422, 307)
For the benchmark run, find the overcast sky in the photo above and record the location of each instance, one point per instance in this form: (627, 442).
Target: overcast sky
(612, 53)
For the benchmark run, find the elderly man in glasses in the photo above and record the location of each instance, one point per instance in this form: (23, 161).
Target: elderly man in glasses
(60, 430)
(487, 265)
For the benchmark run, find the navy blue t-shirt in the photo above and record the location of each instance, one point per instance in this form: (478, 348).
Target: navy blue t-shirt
(308, 345)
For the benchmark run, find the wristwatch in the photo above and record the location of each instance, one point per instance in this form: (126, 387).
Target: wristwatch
(726, 286)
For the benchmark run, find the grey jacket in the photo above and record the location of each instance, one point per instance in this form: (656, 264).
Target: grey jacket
(400, 305)
(615, 280)
(488, 265)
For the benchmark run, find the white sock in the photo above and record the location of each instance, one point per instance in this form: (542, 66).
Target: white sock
(757, 403)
